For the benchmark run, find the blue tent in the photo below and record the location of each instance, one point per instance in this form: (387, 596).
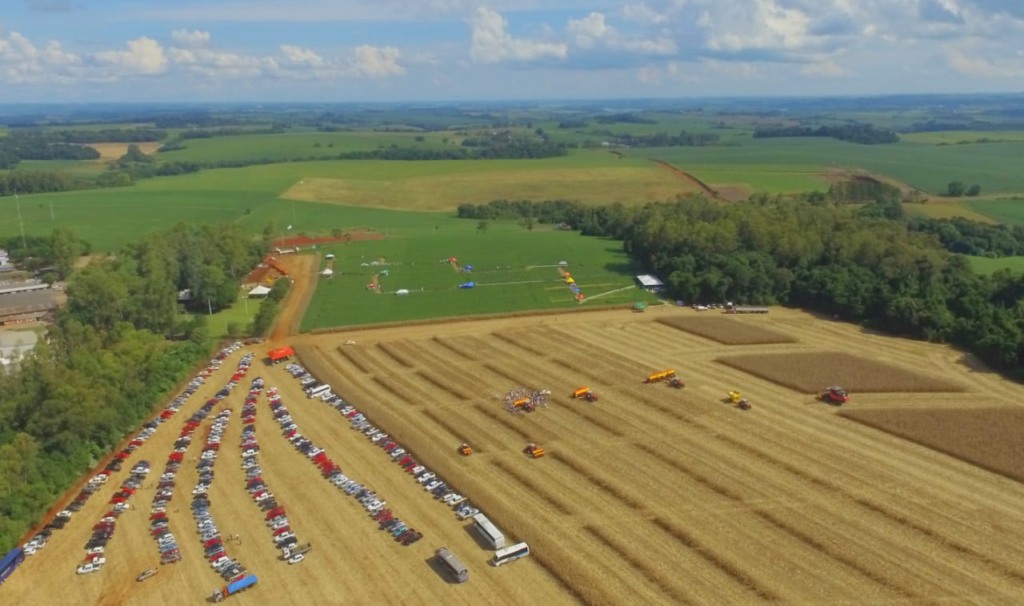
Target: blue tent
(467, 285)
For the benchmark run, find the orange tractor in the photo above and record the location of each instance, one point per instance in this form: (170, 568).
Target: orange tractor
(534, 451)
(465, 450)
(584, 393)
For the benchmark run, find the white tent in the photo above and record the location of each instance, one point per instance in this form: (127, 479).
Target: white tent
(327, 272)
(402, 291)
(329, 256)
(259, 291)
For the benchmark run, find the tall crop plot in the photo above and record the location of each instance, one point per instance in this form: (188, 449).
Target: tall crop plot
(986, 437)
(813, 371)
(726, 330)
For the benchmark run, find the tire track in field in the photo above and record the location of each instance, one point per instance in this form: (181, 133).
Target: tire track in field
(642, 568)
(391, 386)
(606, 485)
(435, 364)
(607, 355)
(740, 444)
(729, 569)
(937, 539)
(532, 487)
(513, 341)
(442, 385)
(775, 520)
(346, 352)
(390, 350)
(446, 344)
(456, 432)
(504, 418)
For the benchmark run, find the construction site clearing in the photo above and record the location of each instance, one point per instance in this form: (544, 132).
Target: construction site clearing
(656, 496)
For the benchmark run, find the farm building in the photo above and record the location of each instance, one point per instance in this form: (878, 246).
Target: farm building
(259, 291)
(649, 283)
(20, 307)
(266, 273)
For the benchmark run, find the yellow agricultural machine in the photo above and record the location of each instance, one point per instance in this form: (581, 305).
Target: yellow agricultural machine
(661, 375)
(534, 451)
(465, 450)
(737, 398)
(524, 404)
(584, 393)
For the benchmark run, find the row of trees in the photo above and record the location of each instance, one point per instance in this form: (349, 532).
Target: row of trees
(118, 346)
(854, 133)
(683, 139)
(84, 136)
(25, 146)
(870, 264)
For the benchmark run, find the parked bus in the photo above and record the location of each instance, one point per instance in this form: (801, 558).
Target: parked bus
(316, 391)
(488, 531)
(510, 554)
(452, 565)
(10, 562)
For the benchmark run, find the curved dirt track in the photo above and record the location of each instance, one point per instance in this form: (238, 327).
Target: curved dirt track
(666, 496)
(303, 271)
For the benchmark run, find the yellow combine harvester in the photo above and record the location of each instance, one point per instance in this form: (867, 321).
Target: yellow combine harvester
(465, 450)
(534, 451)
(662, 375)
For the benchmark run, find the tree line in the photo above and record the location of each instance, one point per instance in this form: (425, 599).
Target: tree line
(663, 139)
(18, 146)
(870, 265)
(865, 134)
(116, 348)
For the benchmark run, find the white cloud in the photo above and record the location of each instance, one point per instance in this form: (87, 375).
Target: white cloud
(588, 30)
(301, 56)
(143, 56)
(23, 62)
(978, 67)
(763, 25)
(491, 43)
(375, 62)
(183, 38)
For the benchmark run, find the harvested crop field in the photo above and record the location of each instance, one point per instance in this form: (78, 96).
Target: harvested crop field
(661, 496)
(986, 437)
(727, 331)
(813, 371)
(651, 495)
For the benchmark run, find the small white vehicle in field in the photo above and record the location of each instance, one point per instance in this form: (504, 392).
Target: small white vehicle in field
(90, 567)
(295, 559)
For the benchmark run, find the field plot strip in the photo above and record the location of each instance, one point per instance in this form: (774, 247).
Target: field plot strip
(353, 358)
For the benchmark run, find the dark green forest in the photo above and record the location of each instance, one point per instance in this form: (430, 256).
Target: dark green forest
(867, 264)
(118, 347)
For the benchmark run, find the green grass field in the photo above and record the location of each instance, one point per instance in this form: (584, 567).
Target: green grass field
(984, 265)
(514, 270)
(1009, 211)
(296, 145)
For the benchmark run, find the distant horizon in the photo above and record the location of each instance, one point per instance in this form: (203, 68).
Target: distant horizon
(230, 51)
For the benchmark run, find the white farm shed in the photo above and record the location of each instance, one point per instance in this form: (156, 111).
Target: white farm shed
(649, 282)
(259, 291)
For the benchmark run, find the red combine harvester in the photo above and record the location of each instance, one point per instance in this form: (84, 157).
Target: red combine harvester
(835, 395)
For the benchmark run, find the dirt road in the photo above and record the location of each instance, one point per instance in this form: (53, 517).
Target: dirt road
(303, 271)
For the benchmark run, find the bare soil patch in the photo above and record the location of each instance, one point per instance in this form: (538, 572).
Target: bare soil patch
(302, 270)
(986, 437)
(113, 151)
(354, 235)
(726, 331)
(813, 371)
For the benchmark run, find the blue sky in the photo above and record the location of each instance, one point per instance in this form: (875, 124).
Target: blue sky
(425, 50)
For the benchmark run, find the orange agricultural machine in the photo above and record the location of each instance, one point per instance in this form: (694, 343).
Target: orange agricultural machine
(465, 450)
(661, 375)
(534, 451)
(584, 393)
(524, 404)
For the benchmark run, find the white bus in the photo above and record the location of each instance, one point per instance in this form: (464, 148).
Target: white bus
(510, 554)
(488, 531)
(316, 391)
(452, 565)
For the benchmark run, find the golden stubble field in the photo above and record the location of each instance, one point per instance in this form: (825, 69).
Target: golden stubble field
(662, 496)
(649, 496)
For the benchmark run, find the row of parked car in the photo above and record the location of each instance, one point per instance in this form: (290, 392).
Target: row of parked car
(95, 547)
(437, 487)
(60, 520)
(277, 520)
(369, 499)
(159, 526)
(213, 544)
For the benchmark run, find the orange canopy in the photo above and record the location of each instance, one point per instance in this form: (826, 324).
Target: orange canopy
(281, 353)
